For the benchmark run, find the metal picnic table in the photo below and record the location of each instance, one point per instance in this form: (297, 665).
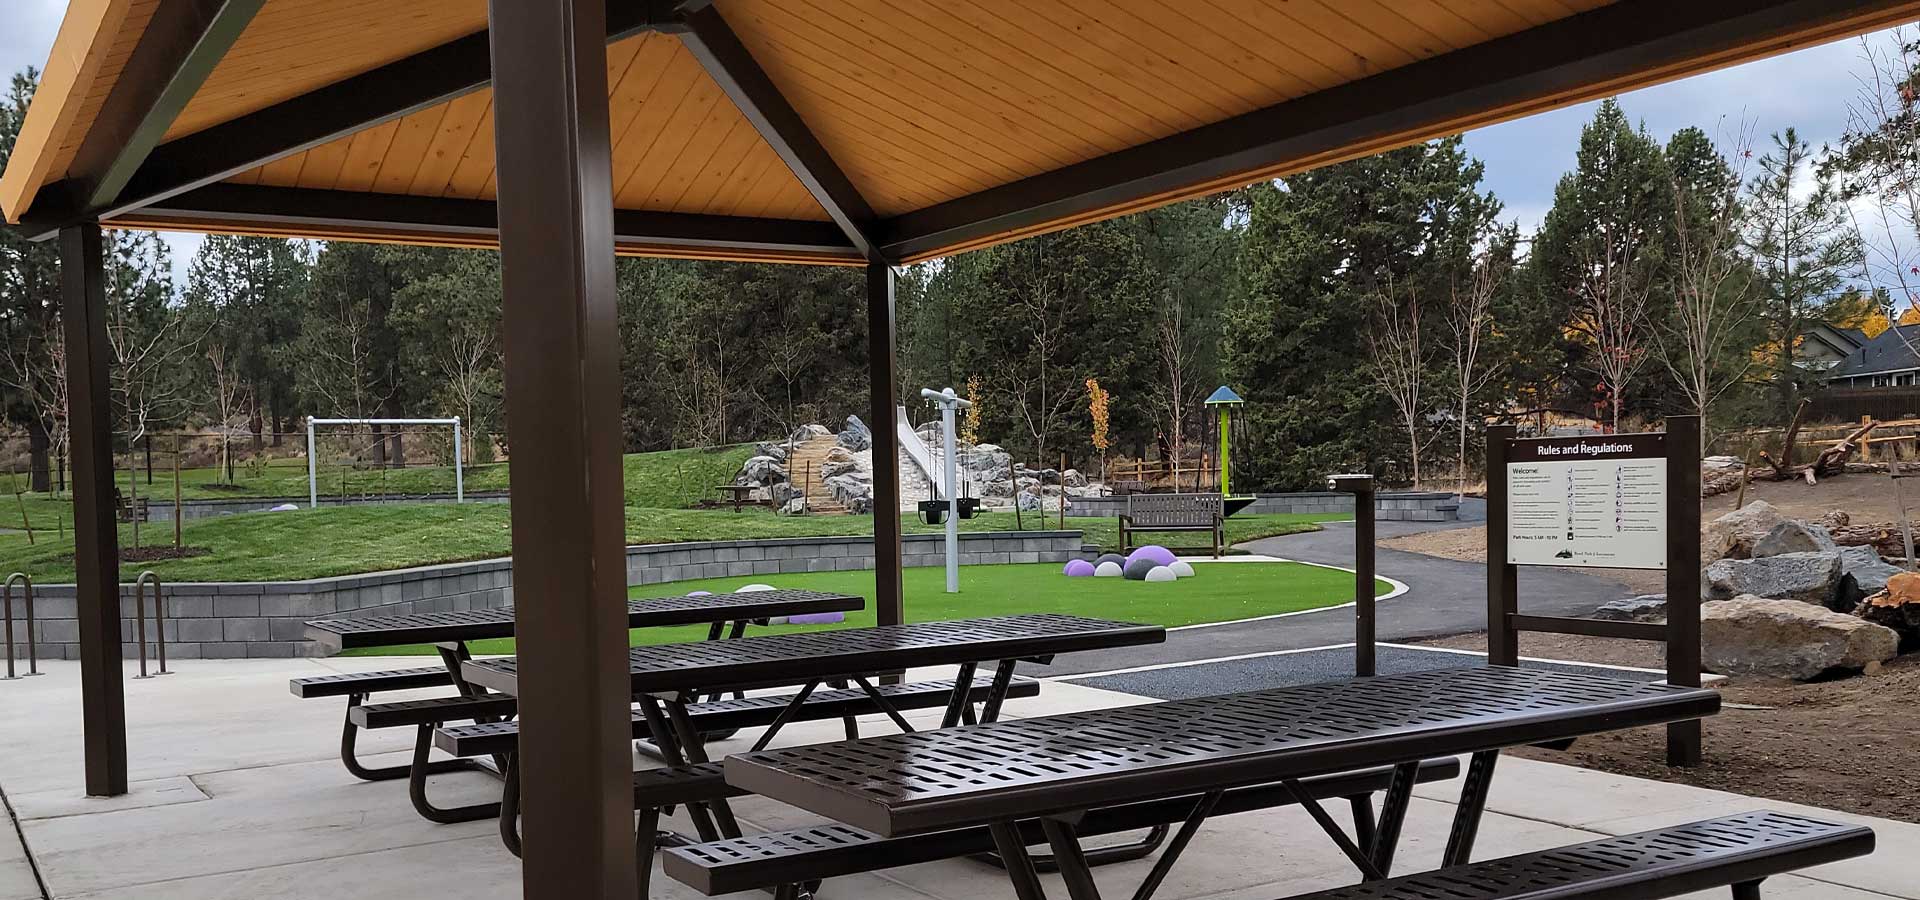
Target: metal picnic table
(666, 677)
(1049, 767)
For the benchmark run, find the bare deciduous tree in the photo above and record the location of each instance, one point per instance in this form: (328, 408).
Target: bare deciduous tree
(1397, 359)
(1469, 321)
(1611, 310)
(470, 363)
(1712, 298)
(229, 397)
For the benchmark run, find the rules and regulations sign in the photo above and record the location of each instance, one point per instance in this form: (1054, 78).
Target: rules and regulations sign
(1598, 500)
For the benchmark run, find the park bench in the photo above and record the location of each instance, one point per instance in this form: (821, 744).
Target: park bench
(696, 784)
(1173, 512)
(1737, 851)
(797, 860)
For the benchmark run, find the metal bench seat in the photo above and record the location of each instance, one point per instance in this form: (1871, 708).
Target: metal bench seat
(1737, 851)
(806, 856)
(357, 687)
(433, 711)
(364, 683)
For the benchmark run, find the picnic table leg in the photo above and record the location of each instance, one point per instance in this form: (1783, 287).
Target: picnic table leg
(1012, 849)
(1065, 840)
(1393, 812)
(962, 690)
(417, 788)
(997, 694)
(670, 750)
(1473, 802)
(695, 751)
(1201, 810)
(886, 706)
(786, 715)
(510, 807)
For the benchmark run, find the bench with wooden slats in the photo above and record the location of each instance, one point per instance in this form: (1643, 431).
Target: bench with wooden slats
(1734, 851)
(810, 855)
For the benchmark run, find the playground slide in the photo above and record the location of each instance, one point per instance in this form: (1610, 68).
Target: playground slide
(918, 452)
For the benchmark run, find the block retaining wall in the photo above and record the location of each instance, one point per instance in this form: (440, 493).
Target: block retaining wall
(221, 620)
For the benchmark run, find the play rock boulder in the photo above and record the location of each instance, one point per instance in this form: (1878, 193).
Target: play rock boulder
(1750, 635)
(1644, 608)
(1793, 536)
(1734, 534)
(1869, 573)
(1807, 577)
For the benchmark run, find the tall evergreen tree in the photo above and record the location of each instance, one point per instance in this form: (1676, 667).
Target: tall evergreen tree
(245, 296)
(1803, 251)
(34, 385)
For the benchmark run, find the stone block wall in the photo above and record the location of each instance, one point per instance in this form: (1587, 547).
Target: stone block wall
(213, 620)
(1402, 506)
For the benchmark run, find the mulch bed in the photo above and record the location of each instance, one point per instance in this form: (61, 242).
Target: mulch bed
(1846, 744)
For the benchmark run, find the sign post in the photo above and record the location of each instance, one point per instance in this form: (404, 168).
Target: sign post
(1622, 501)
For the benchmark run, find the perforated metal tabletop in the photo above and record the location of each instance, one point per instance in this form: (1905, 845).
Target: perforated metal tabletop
(775, 659)
(655, 612)
(956, 777)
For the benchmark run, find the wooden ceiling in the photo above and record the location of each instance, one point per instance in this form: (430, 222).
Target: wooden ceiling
(934, 111)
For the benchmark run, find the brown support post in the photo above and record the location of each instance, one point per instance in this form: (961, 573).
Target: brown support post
(1503, 598)
(1683, 577)
(1365, 627)
(96, 538)
(883, 397)
(563, 409)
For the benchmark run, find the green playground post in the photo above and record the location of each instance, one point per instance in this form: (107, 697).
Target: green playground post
(1224, 400)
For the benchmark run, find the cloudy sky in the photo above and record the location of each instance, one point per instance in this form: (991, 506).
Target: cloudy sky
(1808, 90)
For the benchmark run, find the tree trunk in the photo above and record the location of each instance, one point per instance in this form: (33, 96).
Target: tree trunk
(379, 446)
(38, 465)
(397, 449)
(255, 423)
(280, 426)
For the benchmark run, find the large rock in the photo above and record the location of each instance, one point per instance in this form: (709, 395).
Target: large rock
(856, 436)
(1897, 606)
(1028, 500)
(1750, 635)
(1863, 573)
(777, 451)
(831, 467)
(1807, 577)
(1734, 534)
(1793, 536)
(1644, 608)
(783, 492)
(807, 433)
(1073, 479)
(762, 470)
(794, 506)
(985, 459)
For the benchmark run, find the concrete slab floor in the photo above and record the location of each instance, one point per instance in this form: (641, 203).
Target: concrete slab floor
(238, 793)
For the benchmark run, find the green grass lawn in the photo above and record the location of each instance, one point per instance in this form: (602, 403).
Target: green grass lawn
(315, 543)
(1217, 593)
(668, 478)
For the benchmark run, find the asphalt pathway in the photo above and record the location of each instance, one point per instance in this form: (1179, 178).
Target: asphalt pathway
(1444, 597)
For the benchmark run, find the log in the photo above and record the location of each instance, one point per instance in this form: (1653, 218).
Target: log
(1882, 536)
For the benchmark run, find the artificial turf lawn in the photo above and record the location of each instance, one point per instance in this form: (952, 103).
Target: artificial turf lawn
(344, 540)
(1218, 592)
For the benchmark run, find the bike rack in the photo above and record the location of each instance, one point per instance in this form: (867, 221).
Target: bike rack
(159, 620)
(6, 601)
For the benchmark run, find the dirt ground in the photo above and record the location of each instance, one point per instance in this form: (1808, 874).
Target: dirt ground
(1865, 497)
(1847, 744)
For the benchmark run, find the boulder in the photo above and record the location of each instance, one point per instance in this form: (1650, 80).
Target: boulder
(1733, 534)
(1863, 573)
(1644, 608)
(833, 467)
(985, 458)
(807, 433)
(1833, 518)
(1807, 577)
(1793, 536)
(1897, 606)
(762, 470)
(856, 436)
(771, 449)
(781, 492)
(794, 506)
(1750, 635)
(1028, 501)
(1722, 463)
(1073, 479)
(1002, 487)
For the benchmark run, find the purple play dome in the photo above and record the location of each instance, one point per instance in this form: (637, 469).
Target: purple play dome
(1160, 556)
(1079, 568)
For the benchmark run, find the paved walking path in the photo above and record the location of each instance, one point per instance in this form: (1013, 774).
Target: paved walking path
(1444, 597)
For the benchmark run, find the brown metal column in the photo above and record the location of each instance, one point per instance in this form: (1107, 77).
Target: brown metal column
(563, 411)
(1683, 577)
(882, 377)
(1503, 597)
(96, 539)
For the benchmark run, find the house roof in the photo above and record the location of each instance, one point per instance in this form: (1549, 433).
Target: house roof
(1892, 351)
(817, 131)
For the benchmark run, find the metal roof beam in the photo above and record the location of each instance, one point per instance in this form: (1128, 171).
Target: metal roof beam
(402, 216)
(1575, 57)
(733, 68)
